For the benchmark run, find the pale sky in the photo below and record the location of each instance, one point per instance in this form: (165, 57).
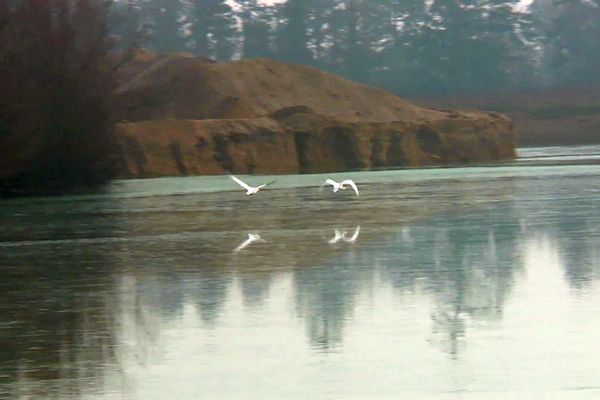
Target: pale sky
(523, 4)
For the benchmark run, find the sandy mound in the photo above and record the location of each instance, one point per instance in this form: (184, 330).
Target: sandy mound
(184, 87)
(185, 116)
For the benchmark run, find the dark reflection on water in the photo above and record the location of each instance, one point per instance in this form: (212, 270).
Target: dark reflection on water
(131, 296)
(576, 227)
(470, 268)
(55, 327)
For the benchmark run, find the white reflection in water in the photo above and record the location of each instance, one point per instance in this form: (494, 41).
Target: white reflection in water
(538, 345)
(492, 292)
(542, 343)
(337, 236)
(343, 235)
(252, 237)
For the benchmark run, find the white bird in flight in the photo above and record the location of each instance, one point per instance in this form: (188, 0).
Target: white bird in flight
(252, 237)
(249, 189)
(342, 185)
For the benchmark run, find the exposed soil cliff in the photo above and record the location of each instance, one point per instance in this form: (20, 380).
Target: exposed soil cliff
(183, 115)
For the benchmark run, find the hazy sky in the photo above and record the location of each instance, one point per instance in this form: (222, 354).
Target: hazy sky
(523, 4)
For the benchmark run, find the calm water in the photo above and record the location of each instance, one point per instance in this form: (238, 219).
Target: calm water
(452, 283)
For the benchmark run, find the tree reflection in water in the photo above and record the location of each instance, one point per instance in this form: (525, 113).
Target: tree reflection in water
(57, 334)
(80, 306)
(469, 270)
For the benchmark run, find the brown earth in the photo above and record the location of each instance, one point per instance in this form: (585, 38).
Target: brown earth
(182, 115)
(562, 116)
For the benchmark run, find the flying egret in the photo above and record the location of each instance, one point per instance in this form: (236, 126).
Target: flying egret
(342, 185)
(249, 189)
(252, 237)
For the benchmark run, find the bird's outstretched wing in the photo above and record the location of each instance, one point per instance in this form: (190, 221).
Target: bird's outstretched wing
(241, 183)
(327, 182)
(351, 183)
(268, 183)
(354, 235)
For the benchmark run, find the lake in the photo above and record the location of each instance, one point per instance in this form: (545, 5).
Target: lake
(478, 282)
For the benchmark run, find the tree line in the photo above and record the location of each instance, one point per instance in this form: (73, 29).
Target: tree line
(57, 59)
(410, 47)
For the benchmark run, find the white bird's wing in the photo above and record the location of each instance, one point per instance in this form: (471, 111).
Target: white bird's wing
(327, 182)
(330, 182)
(265, 184)
(354, 235)
(351, 183)
(241, 182)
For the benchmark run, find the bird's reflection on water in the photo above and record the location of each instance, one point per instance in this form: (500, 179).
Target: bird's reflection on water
(436, 272)
(343, 236)
(252, 238)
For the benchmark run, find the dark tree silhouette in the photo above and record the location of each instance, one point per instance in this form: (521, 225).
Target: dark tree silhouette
(128, 26)
(212, 27)
(257, 29)
(410, 47)
(55, 84)
(164, 19)
(570, 31)
(292, 38)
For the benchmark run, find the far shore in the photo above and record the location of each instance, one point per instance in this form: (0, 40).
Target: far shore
(553, 117)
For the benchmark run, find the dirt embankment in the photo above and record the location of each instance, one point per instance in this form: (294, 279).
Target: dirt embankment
(182, 115)
(566, 116)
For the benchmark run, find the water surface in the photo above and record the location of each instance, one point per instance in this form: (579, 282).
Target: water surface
(458, 283)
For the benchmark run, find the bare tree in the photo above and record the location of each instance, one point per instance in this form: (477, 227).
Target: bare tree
(55, 84)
